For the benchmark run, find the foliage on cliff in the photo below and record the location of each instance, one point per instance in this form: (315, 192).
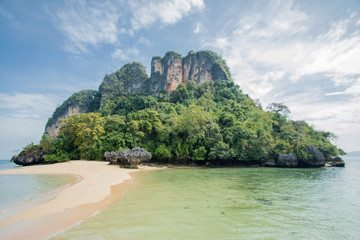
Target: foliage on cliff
(213, 122)
(85, 100)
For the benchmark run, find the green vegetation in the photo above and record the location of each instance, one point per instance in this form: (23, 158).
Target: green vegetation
(213, 122)
(86, 100)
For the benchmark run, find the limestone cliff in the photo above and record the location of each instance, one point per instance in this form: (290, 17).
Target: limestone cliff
(131, 78)
(80, 102)
(171, 70)
(166, 75)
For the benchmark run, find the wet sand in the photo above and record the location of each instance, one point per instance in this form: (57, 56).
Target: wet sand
(97, 186)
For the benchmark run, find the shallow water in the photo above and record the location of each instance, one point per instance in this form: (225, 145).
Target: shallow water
(18, 189)
(235, 203)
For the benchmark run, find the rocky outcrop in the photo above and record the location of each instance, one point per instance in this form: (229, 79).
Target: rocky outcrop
(26, 157)
(171, 70)
(166, 72)
(316, 157)
(131, 78)
(289, 160)
(166, 75)
(80, 102)
(128, 158)
(335, 162)
(269, 163)
(204, 66)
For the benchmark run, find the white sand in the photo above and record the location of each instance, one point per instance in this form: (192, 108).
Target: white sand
(96, 188)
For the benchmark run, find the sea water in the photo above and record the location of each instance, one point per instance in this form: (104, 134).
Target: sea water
(233, 203)
(20, 189)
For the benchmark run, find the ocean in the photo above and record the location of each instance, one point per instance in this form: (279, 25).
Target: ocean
(219, 203)
(233, 203)
(23, 190)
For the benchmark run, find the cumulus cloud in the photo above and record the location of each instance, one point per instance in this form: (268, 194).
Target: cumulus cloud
(277, 53)
(147, 12)
(92, 23)
(87, 23)
(276, 39)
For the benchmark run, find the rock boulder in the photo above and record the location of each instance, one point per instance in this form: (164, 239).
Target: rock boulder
(128, 158)
(287, 160)
(336, 162)
(269, 163)
(26, 158)
(316, 159)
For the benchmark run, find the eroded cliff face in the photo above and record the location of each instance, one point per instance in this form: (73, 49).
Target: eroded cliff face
(171, 70)
(166, 75)
(54, 128)
(80, 102)
(132, 77)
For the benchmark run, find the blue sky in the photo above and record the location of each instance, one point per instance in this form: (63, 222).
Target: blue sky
(304, 54)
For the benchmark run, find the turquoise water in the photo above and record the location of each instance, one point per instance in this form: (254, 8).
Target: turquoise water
(19, 189)
(233, 203)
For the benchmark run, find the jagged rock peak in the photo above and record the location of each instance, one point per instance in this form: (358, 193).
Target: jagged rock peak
(166, 74)
(132, 78)
(173, 69)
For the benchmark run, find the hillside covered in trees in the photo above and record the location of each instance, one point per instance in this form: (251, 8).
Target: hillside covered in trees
(200, 120)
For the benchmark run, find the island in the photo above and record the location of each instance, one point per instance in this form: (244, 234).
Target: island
(188, 111)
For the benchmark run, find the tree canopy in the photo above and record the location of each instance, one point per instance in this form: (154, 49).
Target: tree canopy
(212, 122)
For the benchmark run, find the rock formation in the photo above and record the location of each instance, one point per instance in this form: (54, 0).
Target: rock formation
(335, 162)
(166, 75)
(128, 158)
(131, 78)
(269, 163)
(80, 102)
(289, 160)
(316, 159)
(171, 70)
(26, 157)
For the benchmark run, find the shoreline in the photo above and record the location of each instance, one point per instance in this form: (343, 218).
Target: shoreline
(98, 185)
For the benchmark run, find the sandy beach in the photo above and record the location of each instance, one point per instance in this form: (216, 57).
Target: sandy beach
(95, 187)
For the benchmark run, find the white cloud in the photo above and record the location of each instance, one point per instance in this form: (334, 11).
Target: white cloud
(17, 132)
(22, 119)
(147, 12)
(277, 54)
(145, 41)
(125, 55)
(119, 54)
(341, 118)
(273, 39)
(197, 28)
(92, 23)
(87, 23)
(27, 105)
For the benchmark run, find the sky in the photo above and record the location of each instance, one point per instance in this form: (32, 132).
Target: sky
(304, 54)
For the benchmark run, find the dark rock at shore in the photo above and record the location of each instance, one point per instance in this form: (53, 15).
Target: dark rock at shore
(335, 162)
(288, 160)
(26, 158)
(269, 163)
(128, 158)
(316, 159)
